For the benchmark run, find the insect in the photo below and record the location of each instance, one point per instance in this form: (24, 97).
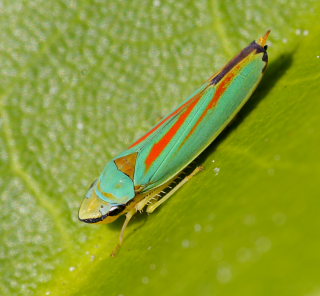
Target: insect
(139, 177)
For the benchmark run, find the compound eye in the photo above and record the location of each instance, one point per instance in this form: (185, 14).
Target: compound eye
(115, 210)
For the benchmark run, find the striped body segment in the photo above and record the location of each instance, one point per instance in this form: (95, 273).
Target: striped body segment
(179, 138)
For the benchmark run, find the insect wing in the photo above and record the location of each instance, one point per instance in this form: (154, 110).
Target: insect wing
(185, 133)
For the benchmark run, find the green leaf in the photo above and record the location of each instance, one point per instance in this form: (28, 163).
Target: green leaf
(81, 80)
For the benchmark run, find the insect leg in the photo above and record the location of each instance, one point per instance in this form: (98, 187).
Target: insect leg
(140, 205)
(153, 206)
(124, 226)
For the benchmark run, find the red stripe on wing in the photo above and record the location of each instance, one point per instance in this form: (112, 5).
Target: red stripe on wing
(161, 123)
(162, 144)
(217, 96)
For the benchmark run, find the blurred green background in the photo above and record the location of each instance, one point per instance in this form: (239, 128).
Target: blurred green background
(81, 80)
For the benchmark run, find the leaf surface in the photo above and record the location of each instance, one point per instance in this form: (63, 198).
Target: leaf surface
(81, 80)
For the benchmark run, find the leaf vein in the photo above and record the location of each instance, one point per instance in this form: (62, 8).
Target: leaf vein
(42, 198)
